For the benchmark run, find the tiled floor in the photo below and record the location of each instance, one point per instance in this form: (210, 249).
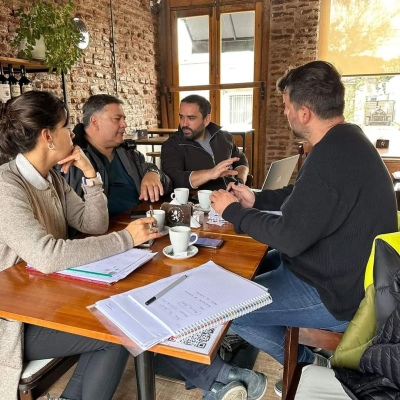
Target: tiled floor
(175, 390)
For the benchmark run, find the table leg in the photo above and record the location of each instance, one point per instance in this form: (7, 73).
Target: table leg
(145, 376)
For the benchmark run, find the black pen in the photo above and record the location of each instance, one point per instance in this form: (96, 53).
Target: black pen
(167, 289)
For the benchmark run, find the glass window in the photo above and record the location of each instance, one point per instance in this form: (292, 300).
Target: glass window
(373, 102)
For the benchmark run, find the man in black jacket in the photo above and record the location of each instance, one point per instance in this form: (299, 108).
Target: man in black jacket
(126, 176)
(201, 155)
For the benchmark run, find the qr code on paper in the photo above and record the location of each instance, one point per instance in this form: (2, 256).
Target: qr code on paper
(198, 340)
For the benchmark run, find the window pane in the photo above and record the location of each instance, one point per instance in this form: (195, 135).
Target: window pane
(193, 51)
(373, 102)
(237, 47)
(236, 109)
(361, 37)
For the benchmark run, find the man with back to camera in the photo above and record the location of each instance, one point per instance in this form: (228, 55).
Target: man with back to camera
(200, 155)
(323, 238)
(126, 176)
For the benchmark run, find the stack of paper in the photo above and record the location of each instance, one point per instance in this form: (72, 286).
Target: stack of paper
(111, 269)
(196, 303)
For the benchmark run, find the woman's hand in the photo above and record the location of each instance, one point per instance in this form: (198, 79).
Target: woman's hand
(142, 230)
(79, 160)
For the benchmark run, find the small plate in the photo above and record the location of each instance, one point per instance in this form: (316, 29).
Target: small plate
(192, 251)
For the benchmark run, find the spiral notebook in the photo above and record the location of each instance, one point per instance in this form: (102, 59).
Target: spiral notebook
(209, 296)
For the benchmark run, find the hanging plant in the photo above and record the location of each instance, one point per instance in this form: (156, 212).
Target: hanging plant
(54, 23)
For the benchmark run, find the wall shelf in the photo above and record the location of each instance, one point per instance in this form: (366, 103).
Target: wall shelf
(32, 67)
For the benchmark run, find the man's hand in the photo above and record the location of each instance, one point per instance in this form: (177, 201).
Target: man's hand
(220, 199)
(224, 168)
(244, 194)
(79, 160)
(151, 187)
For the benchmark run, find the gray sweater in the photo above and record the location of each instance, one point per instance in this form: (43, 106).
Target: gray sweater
(34, 217)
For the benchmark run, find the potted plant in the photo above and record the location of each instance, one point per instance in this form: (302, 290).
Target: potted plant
(55, 25)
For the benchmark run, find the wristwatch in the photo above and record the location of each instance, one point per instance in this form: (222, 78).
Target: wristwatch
(152, 169)
(92, 181)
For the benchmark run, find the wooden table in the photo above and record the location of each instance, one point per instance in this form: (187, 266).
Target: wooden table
(161, 131)
(61, 304)
(206, 229)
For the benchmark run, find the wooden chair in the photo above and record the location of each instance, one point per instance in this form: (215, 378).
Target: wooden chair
(310, 337)
(39, 375)
(303, 149)
(249, 181)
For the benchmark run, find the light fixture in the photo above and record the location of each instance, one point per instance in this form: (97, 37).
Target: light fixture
(83, 31)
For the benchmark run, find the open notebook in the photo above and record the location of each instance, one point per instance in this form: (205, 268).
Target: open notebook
(197, 303)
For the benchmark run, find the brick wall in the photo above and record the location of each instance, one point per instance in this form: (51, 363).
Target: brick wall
(135, 32)
(293, 41)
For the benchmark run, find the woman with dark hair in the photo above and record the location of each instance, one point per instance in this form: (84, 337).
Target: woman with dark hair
(36, 208)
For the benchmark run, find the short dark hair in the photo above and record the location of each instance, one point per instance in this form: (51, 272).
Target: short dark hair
(202, 102)
(24, 117)
(95, 104)
(317, 85)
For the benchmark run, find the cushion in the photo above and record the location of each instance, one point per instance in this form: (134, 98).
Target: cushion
(319, 383)
(358, 335)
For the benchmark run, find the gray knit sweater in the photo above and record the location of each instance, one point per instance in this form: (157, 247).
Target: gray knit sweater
(34, 217)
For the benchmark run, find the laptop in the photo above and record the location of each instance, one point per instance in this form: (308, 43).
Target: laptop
(279, 173)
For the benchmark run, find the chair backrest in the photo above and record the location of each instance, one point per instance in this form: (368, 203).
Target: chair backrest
(39, 375)
(249, 181)
(310, 337)
(303, 149)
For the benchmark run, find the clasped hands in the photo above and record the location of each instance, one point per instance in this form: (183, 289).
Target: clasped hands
(220, 199)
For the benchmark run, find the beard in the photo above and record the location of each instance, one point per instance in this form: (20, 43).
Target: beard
(193, 135)
(297, 134)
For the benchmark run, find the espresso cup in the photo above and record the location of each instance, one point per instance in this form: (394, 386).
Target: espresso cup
(181, 238)
(204, 199)
(159, 215)
(181, 195)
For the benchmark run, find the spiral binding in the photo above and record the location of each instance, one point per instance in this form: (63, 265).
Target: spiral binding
(225, 316)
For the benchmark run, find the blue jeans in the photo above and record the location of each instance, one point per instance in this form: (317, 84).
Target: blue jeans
(294, 303)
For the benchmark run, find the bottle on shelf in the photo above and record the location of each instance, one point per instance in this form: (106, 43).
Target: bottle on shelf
(5, 94)
(24, 83)
(13, 81)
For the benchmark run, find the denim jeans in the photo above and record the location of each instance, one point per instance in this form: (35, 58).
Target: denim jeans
(294, 303)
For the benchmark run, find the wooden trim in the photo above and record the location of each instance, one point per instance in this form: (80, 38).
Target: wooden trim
(216, 86)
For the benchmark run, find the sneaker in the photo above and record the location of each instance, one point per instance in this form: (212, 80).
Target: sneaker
(232, 391)
(278, 388)
(255, 382)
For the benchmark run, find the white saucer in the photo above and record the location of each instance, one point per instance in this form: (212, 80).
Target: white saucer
(192, 251)
(165, 230)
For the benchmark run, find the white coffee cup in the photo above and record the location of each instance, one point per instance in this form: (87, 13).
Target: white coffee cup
(181, 195)
(204, 199)
(181, 238)
(159, 215)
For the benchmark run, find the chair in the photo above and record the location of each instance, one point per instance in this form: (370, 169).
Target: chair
(310, 337)
(249, 181)
(303, 149)
(38, 376)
